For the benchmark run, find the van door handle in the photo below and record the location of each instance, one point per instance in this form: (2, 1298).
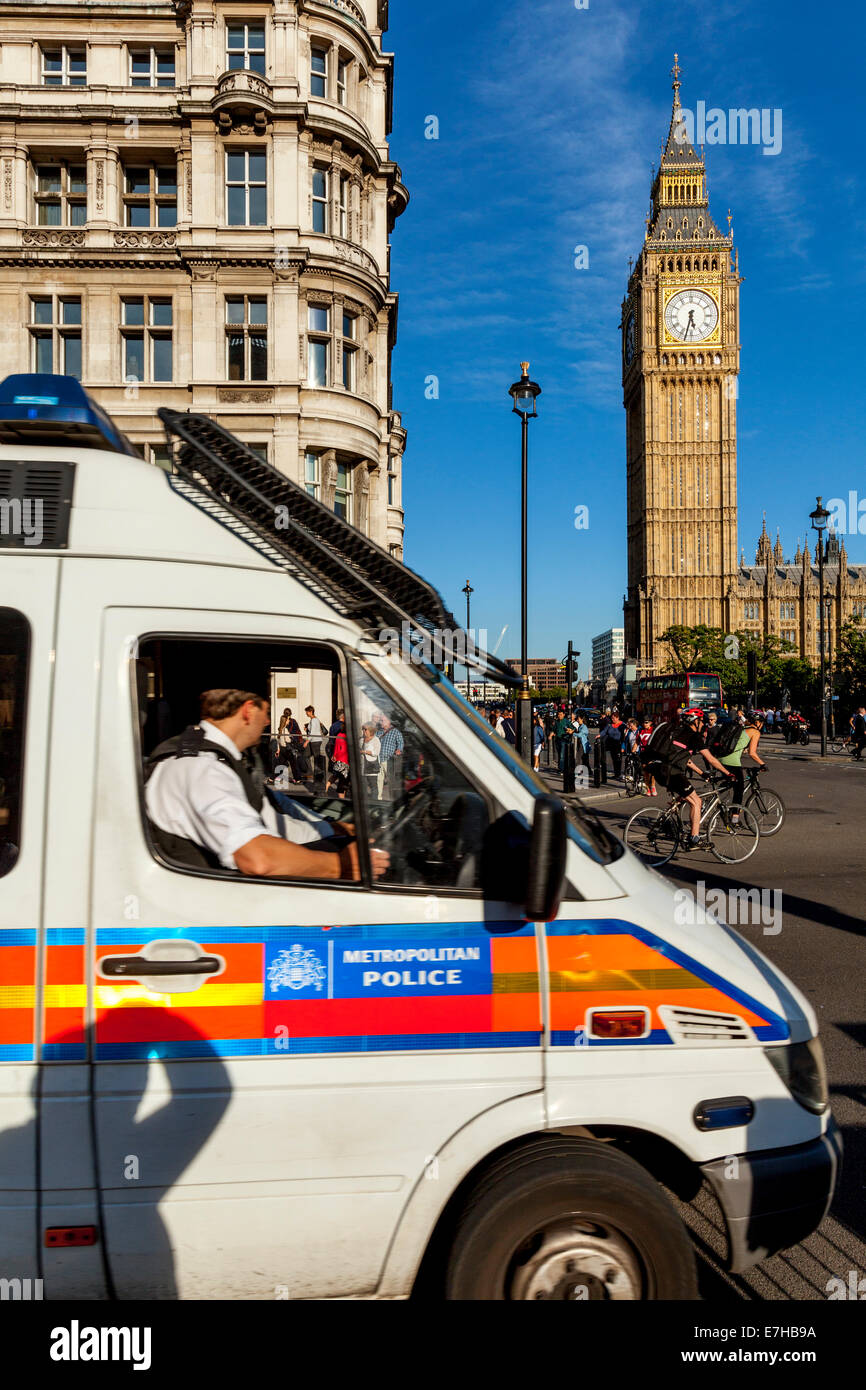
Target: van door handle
(135, 966)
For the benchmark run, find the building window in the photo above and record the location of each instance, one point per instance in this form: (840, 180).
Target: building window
(342, 492)
(395, 551)
(260, 450)
(245, 47)
(344, 205)
(61, 195)
(150, 196)
(151, 67)
(342, 80)
(246, 338)
(246, 189)
(319, 323)
(321, 179)
(55, 333)
(160, 454)
(312, 473)
(146, 334)
(350, 352)
(319, 73)
(751, 612)
(64, 67)
(789, 635)
(392, 485)
(787, 611)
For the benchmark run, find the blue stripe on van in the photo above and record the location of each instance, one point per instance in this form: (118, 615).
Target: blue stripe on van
(267, 1047)
(16, 1052)
(561, 1037)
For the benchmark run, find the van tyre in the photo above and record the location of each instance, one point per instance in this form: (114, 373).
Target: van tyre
(569, 1220)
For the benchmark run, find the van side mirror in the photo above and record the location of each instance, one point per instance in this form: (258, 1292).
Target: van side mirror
(547, 859)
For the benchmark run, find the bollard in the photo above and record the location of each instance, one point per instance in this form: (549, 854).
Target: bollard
(596, 763)
(568, 765)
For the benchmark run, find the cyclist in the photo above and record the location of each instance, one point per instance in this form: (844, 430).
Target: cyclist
(668, 757)
(744, 756)
(644, 736)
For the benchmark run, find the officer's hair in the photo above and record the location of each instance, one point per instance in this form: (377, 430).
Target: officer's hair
(222, 704)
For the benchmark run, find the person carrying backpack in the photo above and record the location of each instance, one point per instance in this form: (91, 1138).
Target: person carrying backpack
(668, 758)
(737, 749)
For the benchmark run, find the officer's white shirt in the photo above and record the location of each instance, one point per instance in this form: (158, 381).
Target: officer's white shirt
(202, 800)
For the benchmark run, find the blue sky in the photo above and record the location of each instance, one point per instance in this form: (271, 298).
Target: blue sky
(549, 120)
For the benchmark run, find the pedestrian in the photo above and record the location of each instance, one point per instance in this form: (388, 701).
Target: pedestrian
(370, 747)
(644, 736)
(338, 775)
(390, 751)
(537, 740)
(289, 739)
(613, 736)
(508, 727)
(858, 732)
(564, 737)
(581, 745)
(315, 732)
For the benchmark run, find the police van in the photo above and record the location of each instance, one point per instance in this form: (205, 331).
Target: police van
(480, 1074)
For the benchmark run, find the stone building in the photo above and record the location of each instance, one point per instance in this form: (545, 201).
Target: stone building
(680, 364)
(195, 207)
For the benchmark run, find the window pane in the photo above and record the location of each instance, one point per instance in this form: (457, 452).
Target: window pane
(49, 214)
(160, 313)
(440, 845)
(77, 179)
(48, 180)
(236, 60)
(78, 62)
(166, 179)
(258, 357)
(349, 326)
(137, 181)
(141, 63)
(236, 356)
(258, 207)
(258, 311)
(234, 311)
(72, 356)
(349, 371)
(236, 35)
(133, 357)
(318, 364)
(70, 311)
(319, 217)
(342, 476)
(133, 311)
(166, 215)
(311, 471)
(165, 81)
(138, 215)
(165, 64)
(237, 207)
(52, 61)
(320, 186)
(14, 655)
(256, 36)
(260, 451)
(77, 214)
(42, 357)
(341, 506)
(162, 357)
(235, 167)
(40, 311)
(258, 168)
(256, 63)
(319, 318)
(320, 60)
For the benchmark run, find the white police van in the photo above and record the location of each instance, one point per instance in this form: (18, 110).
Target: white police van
(472, 1077)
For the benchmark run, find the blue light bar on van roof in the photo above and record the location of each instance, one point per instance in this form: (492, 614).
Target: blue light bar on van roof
(37, 408)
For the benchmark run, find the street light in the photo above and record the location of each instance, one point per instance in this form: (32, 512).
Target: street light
(524, 394)
(819, 518)
(467, 590)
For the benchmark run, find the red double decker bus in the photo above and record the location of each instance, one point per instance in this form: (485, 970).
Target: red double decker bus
(662, 697)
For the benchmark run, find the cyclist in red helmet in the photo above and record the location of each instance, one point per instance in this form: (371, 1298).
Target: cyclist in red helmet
(668, 757)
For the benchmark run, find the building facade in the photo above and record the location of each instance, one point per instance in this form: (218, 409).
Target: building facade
(545, 672)
(195, 210)
(607, 652)
(680, 365)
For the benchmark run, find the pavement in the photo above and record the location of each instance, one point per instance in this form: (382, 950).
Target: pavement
(818, 864)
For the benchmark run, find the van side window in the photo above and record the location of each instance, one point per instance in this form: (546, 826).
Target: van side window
(14, 659)
(420, 806)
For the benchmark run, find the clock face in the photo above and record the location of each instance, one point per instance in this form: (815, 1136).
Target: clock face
(691, 316)
(629, 340)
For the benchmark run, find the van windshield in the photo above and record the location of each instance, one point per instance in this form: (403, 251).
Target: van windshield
(584, 826)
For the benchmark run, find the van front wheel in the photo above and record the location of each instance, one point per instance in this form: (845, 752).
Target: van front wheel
(570, 1221)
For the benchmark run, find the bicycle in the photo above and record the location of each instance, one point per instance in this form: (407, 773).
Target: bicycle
(766, 806)
(843, 744)
(731, 832)
(632, 775)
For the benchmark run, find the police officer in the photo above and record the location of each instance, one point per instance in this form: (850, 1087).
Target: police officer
(208, 807)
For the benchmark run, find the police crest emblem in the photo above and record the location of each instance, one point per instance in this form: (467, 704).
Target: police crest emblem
(296, 969)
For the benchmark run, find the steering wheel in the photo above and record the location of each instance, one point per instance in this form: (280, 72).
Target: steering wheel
(405, 813)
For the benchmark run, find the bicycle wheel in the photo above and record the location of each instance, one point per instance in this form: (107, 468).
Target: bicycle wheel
(653, 835)
(733, 840)
(838, 745)
(767, 807)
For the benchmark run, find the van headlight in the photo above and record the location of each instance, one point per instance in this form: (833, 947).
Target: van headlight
(801, 1067)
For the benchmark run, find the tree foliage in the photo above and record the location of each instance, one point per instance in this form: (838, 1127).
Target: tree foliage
(850, 665)
(725, 654)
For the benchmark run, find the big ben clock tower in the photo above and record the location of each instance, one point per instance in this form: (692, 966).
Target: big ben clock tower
(680, 361)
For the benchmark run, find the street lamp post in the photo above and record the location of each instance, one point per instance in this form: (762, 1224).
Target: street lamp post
(524, 393)
(819, 518)
(832, 716)
(467, 590)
